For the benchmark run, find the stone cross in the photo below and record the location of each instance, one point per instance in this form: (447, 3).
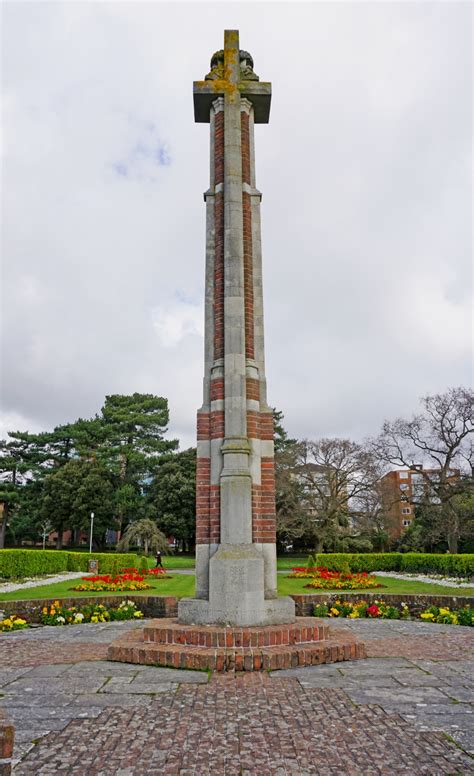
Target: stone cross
(235, 513)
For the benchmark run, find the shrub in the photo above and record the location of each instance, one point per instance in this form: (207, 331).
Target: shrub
(26, 563)
(410, 562)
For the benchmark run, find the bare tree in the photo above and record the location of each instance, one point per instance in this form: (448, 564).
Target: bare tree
(436, 444)
(336, 475)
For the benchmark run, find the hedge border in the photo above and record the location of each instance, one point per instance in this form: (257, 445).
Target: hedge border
(411, 562)
(25, 563)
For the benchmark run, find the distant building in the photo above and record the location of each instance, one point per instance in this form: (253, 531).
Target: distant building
(401, 490)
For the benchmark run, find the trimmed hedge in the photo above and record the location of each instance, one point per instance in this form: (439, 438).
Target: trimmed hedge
(411, 562)
(26, 563)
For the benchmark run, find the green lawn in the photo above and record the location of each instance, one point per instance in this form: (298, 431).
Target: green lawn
(183, 585)
(180, 585)
(391, 585)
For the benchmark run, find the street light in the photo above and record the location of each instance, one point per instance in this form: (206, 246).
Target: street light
(92, 528)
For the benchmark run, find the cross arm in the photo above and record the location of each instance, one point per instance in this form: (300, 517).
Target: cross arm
(258, 92)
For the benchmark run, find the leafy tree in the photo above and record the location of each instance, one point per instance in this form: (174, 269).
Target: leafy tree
(282, 440)
(73, 492)
(143, 532)
(135, 427)
(172, 497)
(436, 445)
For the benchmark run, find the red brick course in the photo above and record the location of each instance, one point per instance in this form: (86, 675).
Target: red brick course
(170, 631)
(248, 276)
(217, 388)
(245, 146)
(236, 649)
(215, 514)
(203, 474)
(252, 388)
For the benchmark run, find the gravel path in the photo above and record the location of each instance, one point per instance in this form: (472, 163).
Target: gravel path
(50, 579)
(448, 581)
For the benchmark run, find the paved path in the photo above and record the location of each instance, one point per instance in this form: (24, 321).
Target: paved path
(77, 714)
(49, 579)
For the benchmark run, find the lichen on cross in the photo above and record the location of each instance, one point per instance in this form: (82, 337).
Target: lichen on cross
(231, 75)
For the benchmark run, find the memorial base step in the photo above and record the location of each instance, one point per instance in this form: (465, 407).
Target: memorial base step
(165, 642)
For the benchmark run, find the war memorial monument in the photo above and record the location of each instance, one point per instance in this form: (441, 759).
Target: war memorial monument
(236, 619)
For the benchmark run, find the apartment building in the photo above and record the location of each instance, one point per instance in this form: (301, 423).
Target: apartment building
(401, 490)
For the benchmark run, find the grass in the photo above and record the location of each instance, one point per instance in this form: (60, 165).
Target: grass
(180, 585)
(390, 585)
(183, 585)
(175, 561)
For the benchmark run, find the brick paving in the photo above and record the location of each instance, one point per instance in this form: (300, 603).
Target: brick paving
(383, 715)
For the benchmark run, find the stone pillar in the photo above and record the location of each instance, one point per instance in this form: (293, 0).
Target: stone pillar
(235, 522)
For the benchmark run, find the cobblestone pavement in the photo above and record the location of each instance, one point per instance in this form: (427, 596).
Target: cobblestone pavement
(382, 715)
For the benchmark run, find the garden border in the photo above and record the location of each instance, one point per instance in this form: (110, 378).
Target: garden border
(167, 606)
(416, 602)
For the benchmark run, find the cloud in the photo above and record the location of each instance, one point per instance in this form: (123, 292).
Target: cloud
(366, 212)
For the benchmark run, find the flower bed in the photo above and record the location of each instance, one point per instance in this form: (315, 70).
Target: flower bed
(384, 611)
(128, 580)
(323, 579)
(59, 614)
(13, 623)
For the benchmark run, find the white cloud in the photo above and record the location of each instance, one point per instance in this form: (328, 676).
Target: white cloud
(174, 323)
(364, 169)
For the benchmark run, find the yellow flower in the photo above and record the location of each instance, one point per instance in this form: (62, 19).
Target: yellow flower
(427, 616)
(94, 619)
(444, 611)
(353, 615)
(334, 611)
(19, 621)
(45, 610)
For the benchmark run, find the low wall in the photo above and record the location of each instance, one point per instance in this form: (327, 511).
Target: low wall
(7, 734)
(417, 603)
(151, 606)
(167, 606)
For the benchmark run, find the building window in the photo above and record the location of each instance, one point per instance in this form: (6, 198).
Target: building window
(403, 486)
(406, 511)
(406, 523)
(403, 475)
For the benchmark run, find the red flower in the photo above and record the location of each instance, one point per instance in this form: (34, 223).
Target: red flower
(373, 611)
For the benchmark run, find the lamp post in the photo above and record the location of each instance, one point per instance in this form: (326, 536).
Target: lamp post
(92, 528)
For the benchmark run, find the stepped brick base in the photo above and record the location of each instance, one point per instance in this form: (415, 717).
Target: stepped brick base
(165, 642)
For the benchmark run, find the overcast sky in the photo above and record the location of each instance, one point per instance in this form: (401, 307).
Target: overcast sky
(366, 212)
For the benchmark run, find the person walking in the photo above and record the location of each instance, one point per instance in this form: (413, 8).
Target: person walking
(159, 563)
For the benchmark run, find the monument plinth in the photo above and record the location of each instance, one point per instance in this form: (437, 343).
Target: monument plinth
(235, 522)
